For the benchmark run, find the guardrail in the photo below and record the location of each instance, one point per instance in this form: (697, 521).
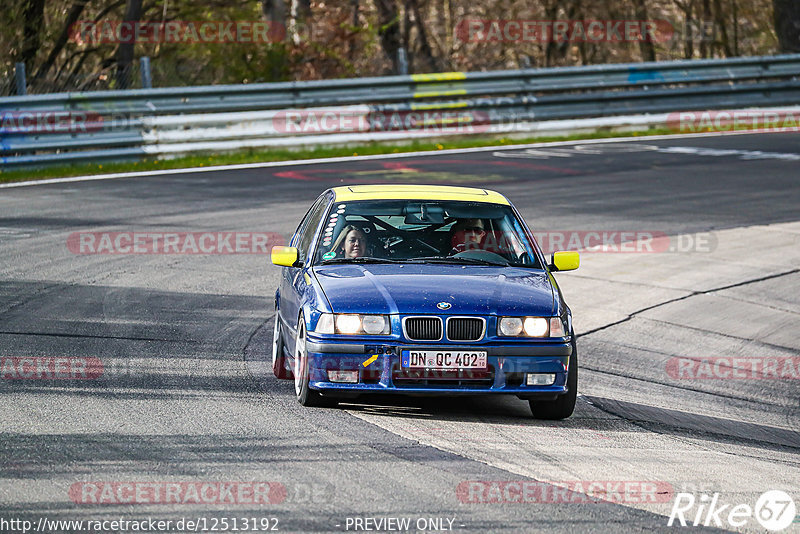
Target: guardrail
(115, 125)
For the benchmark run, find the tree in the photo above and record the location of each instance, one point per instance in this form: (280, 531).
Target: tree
(787, 24)
(299, 13)
(425, 49)
(389, 29)
(688, 27)
(719, 22)
(33, 17)
(72, 17)
(646, 46)
(275, 11)
(133, 13)
(361, 38)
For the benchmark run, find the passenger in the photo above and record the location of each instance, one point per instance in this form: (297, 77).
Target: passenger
(467, 234)
(351, 242)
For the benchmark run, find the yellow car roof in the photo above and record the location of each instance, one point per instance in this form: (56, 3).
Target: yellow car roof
(351, 193)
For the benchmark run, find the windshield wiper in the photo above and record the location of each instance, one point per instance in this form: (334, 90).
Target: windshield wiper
(362, 259)
(456, 260)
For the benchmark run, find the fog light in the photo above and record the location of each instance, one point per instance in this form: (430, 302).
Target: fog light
(349, 377)
(540, 379)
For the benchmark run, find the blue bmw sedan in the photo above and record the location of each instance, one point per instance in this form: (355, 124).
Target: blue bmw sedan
(422, 290)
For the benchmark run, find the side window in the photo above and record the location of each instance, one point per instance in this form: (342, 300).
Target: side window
(302, 226)
(310, 227)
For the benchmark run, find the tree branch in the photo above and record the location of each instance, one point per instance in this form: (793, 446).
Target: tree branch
(72, 17)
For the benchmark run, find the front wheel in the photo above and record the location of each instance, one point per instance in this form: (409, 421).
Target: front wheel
(305, 395)
(564, 405)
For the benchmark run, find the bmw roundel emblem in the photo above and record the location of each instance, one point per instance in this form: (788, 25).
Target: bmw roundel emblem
(444, 305)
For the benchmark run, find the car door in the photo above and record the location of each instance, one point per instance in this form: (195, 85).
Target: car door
(293, 284)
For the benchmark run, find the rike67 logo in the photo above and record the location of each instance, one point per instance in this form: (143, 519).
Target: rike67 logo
(774, 510)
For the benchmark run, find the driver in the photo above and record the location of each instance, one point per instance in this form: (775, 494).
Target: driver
(467, 234)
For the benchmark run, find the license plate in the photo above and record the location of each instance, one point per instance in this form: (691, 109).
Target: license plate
(436, 359)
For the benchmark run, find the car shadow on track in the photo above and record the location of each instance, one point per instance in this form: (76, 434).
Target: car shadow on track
(594, 414)
(699, 426)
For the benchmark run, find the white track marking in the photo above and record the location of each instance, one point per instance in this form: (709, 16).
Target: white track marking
(591, 149)
(537, 154)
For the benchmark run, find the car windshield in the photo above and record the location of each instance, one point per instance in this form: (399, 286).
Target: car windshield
(415, 231)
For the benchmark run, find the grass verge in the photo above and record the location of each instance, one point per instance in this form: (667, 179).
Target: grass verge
(258, 156)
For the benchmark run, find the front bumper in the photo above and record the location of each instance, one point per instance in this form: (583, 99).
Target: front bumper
(507, 366)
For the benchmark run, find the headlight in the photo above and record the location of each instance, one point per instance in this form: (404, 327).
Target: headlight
(348, 324)
(353, 324)
(535, 326)
(530, 327)
(510, 326)
(374, 324)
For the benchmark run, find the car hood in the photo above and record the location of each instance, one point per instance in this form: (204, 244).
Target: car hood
(418, 288)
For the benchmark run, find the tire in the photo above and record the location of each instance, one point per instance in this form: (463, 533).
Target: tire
(564, 405)
(278, 357)
(305, 395)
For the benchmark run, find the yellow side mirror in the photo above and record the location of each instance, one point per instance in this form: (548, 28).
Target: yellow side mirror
(285, 256)
(565, 261)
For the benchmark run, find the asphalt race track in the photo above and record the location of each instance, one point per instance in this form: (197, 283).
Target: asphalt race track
(185, 395)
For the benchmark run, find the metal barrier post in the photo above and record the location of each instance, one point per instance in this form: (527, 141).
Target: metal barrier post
(402, 61)
(144, 66)
(19, 76)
